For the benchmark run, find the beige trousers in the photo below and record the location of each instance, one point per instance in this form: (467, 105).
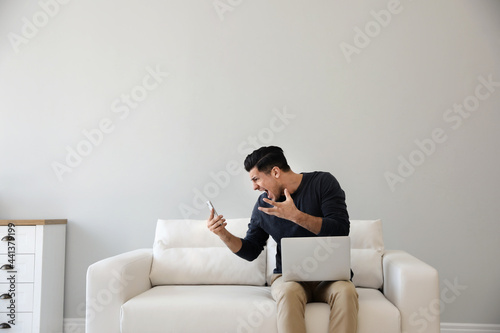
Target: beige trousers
(292, 297)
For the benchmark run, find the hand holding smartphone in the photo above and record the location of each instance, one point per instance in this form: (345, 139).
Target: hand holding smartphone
(211, 206)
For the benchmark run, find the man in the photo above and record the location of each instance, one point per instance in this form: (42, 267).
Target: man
(294, 205)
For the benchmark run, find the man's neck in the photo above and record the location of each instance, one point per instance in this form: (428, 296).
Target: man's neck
(292, 181)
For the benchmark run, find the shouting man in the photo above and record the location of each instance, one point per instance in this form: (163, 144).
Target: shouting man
(294, 205)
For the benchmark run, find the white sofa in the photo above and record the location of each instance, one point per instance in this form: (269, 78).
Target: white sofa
(190, 282)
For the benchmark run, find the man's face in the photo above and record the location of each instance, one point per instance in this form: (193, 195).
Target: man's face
(267, 182)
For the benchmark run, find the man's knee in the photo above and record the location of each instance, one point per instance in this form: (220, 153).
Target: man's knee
(291, 291)
(344, 291)
(348, 288)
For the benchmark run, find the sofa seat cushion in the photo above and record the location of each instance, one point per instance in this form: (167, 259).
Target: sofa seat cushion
(240, 309)
(376, 314)
(217, 308)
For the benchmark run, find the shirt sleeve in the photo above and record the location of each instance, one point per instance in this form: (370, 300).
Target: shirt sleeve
(255, 239)
(334, 209)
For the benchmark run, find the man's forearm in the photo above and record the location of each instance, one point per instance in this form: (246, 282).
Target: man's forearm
(232, 242)
(309, 222)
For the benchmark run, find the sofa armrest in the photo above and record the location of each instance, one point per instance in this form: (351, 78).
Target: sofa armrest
(413, 287)
(110, 283)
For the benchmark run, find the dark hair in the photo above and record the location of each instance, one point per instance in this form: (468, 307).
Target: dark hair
(266, 158)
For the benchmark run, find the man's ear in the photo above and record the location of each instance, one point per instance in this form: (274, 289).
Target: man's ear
(276, 172)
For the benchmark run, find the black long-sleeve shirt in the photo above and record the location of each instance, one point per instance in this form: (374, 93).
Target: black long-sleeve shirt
(319, 194)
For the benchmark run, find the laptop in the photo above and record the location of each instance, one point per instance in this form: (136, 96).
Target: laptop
(316, 258)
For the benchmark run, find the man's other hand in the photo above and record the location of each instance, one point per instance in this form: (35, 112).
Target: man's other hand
(285, 210)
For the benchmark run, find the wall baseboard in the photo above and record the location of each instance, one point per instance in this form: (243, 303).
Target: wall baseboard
(469, 328)
(77, 325)
(74, 325)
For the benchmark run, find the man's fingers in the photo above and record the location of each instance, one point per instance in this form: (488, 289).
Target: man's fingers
(272, 203)
(269, 201)
(214, 222)
(219, 226)
(211, 218)
(268, 211)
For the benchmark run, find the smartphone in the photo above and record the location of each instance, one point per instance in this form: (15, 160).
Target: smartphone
(211, 206)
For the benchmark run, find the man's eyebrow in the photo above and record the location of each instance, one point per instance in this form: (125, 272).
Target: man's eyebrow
(254, 178)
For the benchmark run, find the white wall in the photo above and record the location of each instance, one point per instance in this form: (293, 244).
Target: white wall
(221, 81)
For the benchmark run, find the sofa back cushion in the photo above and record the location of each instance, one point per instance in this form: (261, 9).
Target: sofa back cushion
(186, 252)
(367, 248)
